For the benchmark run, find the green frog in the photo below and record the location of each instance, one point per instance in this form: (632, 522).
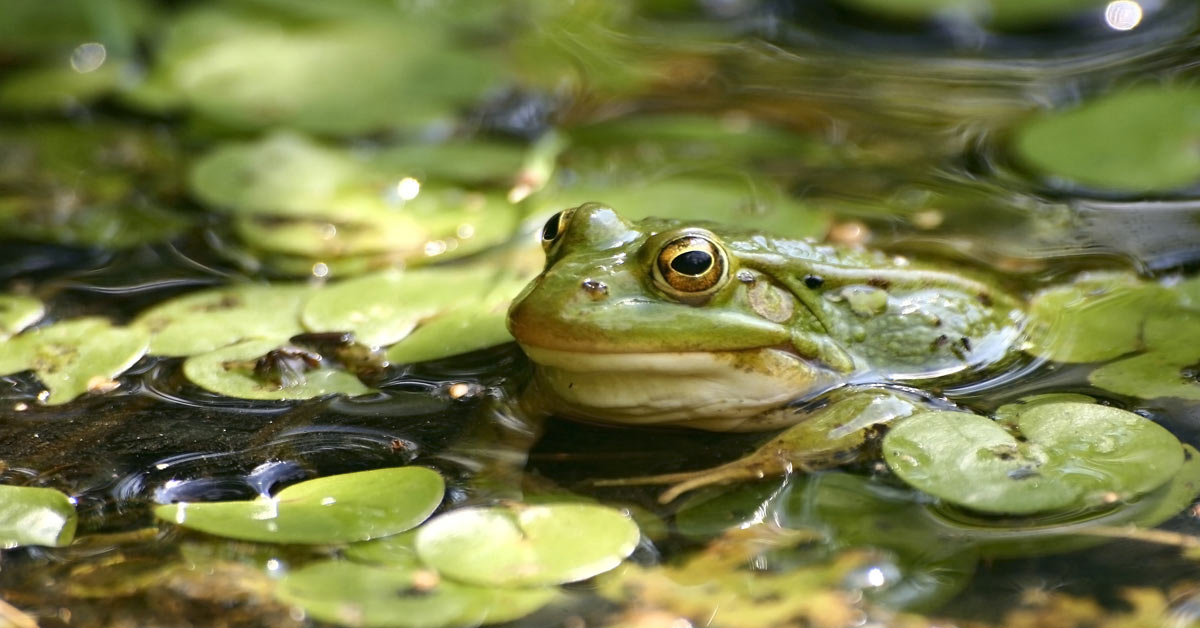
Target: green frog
(661, 322)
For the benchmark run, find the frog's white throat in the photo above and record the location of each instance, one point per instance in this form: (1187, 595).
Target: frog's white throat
(721, 391)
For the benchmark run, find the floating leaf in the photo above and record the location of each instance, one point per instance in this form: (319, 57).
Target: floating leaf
(75, 356)
(525, 545)
(1152, 375)
(383, 308)
(57, 87)
(234, 371)
(18, 312)
(473, 325)
(211, 319)
(35, 516)
(335, 509)
(1070, 455)
(293, 197)
(76, 184)
(1097, 317)
(251, 72)
(352, 594)
(1141, 139)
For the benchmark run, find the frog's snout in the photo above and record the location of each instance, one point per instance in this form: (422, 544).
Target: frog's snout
(595, 289)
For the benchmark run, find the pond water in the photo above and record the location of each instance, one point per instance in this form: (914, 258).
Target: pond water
(256, 258)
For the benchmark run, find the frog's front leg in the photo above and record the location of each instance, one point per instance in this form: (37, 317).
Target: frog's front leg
(833, 434)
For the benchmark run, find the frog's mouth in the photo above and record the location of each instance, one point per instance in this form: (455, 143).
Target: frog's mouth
(741, 390)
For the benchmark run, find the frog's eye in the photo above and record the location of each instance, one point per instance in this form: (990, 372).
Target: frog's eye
(555, 228)
(691, 265)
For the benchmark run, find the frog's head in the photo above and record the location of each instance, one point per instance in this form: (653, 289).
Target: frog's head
(661, 322)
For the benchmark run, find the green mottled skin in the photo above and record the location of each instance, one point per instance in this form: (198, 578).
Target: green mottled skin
(869, 317)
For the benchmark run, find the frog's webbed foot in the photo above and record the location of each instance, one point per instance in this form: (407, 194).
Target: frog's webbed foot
(746, 469)
(832, 435)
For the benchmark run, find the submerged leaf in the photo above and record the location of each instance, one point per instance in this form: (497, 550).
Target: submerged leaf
(74, 356)
(35, 516)
(353, 594)
(1069, 455)
(1160, 373)
(524, 545)
(335, 509)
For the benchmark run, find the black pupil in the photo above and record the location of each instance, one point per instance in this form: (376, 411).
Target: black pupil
(692, 263)
(550, 231)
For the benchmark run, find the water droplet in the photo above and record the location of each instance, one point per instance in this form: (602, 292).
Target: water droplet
(88, 57)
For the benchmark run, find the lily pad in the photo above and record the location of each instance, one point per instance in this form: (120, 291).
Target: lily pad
(210, 319)
(57, 87)
(1097, 317)
(291, 196)
(88, 184)
(352, 594)
(250, 71)
(234, 371)
(336, 509)
(35, 516)
(473, 325)
(1152, 375)
(18, 312)
(1069, 455)
(524, 545)
(383, 308)
(1137, 140)
(75, 356)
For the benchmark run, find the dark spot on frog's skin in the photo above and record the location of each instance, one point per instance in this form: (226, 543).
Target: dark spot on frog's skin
(745, 276)
(595, 289)
(985, 299)
(1023, 473)
(813, 282)
(879, 282)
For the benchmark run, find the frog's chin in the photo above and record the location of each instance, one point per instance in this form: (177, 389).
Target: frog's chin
(740, 390)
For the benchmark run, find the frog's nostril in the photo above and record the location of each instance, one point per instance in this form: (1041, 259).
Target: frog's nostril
(595, 289)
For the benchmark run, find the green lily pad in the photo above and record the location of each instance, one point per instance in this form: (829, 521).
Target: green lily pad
(18, 312)
(1002, 13)
(210, 319)
(231, 371)
(1152, 375)
(250, 71)
(58, 27)
(35, 516)
(336, 509)
(290, 196)
(383, 308)
(57, 87)
(397, 550)
(472, 325)
(524, 545)
(352, 594)
(1137, 140)
(1097, 317)
(88, 184)
(73, 357)
(1071, 455)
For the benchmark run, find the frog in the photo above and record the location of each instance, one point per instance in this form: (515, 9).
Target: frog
(723, 328)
